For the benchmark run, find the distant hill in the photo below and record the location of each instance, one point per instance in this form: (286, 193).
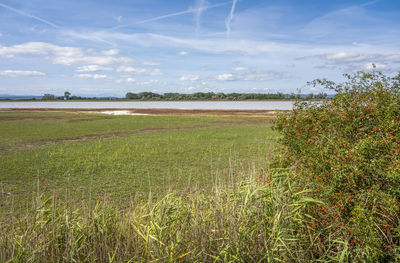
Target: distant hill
(18, 97)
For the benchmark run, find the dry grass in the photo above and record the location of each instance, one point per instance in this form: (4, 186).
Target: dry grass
(249, 221)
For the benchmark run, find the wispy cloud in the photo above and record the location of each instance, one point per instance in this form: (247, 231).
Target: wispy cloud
(62, 55)
(190, 10)
(374, 67)
(91, 76)
(189, 78)
(225, 77)
(254, 75)
(151, 63)
(201, 5)
(183, 53)
(92, 68)
(22, 13)
(239, 69)
(21, 73)
(111, 52)
(230, 17)
(140, 71)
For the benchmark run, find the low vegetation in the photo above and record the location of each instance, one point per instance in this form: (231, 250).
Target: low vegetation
(198, 96)
(123, 158)
(347, 151)
(330, 194)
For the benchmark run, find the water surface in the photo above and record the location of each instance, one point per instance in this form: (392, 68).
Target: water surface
(189, 105)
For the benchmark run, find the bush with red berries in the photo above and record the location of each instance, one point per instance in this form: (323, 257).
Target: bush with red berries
(347, 150)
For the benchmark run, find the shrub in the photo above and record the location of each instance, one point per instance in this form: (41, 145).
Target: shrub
(348, 150)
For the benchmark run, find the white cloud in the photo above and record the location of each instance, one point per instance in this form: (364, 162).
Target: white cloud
(225, 77)
(262, 75)
(92, 68)
(91, 76)
(22, 73)
(372, 67)
(345, 57)
(83, 76)
(150, 82)
(239, 69)
(353, 61)
(151, 63)
(183, 53)
(61, 55)
(118, 19)
(140, 71)
(189, 77)
(111, 52)
(100, 76)
(327, 66)
(217, 44)
(130, 80)
(259, 75)
(352, 57)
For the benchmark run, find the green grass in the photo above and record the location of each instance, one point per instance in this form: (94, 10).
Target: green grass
(187, 153)
(243, 222)
(19, 128)
(155, 189)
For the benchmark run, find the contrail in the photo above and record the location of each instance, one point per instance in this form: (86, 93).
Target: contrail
(229, 18)
(201, 5)
(188, 11)
(29, 15)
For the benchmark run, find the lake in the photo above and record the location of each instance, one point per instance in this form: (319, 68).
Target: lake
(190, 105)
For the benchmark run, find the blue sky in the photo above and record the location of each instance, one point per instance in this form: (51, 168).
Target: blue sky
(99, 47)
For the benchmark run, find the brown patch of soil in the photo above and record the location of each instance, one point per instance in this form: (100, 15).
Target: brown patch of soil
(68, 119)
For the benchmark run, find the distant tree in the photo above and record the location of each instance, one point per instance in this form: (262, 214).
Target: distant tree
(321, 96)
(66, 95)
(294, 96)
(131, 96)
(48, 97)
(310, 96)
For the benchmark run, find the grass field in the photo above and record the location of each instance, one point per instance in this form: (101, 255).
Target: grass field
(123, 158)
(196, 187)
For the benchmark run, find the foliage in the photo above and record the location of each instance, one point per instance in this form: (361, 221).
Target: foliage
(198, 96)
(347, 149)
(48, 97)
(204, 96)
(244, 222)
(67, 94)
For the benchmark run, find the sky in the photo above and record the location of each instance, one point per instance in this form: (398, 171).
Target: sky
(111, 47)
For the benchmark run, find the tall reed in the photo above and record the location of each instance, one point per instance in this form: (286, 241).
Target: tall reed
(258, 219)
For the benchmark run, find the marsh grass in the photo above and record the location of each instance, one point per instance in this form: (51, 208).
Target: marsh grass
(127, 168)
(246, 221)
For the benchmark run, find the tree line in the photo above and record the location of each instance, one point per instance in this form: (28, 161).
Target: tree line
(173, 96)
(219, 96)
